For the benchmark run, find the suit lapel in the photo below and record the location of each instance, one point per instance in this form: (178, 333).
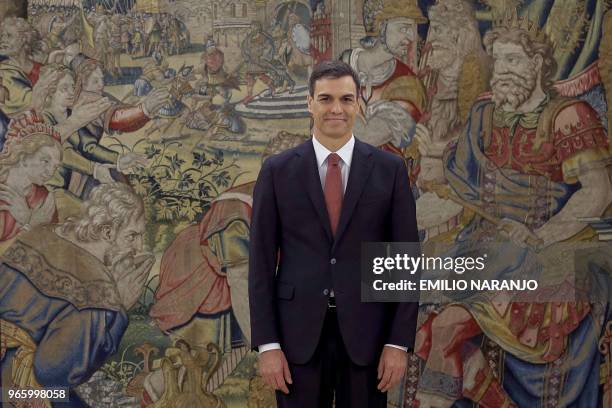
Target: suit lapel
(361, 166)
(313, 185)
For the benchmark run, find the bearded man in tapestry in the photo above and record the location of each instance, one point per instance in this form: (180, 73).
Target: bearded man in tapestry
(65, 291)
(455, 68)
(536, 162)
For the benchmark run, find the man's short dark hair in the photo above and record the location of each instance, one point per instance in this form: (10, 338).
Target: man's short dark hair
(332, 69)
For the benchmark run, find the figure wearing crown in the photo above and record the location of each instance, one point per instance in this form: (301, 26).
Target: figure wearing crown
(30, 153)
(392, 97)
(534, 163)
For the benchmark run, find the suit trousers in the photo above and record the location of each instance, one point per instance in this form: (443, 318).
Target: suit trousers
(331, 375)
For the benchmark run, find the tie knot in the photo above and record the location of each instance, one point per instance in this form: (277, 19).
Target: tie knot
(333, 159)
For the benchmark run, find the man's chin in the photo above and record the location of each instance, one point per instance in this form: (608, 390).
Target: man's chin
(339, 128)
(510, 98)
(335, 134)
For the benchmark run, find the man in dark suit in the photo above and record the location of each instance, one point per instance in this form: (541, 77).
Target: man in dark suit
(313, 206)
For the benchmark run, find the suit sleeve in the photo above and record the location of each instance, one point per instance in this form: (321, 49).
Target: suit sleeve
(263, 255)
(404, 229)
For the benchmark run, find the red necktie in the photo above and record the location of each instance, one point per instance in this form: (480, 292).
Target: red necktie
(333, 190)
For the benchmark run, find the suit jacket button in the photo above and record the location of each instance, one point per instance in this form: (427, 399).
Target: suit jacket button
(333, 261)
(326, 292)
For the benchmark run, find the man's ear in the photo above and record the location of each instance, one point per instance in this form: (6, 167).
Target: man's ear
(538, 60)
(309, 101)
(107, 233)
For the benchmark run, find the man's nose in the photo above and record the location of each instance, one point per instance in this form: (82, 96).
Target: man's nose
(336, 107)
(138, 244)
(499, 66)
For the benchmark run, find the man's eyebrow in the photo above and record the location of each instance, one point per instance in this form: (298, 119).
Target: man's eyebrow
(351, 95)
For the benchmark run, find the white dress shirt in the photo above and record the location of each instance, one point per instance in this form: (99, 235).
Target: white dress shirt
(346, 156)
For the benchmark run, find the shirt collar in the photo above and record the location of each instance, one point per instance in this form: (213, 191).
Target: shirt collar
(345, 152)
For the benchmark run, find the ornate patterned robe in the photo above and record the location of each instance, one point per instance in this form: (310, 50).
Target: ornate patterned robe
(63, 309)
(524, 167)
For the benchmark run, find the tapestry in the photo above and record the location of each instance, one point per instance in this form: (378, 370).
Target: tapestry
(132, 133)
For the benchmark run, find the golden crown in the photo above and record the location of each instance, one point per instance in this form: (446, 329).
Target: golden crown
(511, 20)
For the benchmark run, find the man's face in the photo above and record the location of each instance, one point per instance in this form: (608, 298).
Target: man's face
(11, 41)
(57, 26)
(40, 166)
(334, 106)
(130, 236)
(443, 40)
(64, 94)
(400, 34)
(95, 82)
(514, 74)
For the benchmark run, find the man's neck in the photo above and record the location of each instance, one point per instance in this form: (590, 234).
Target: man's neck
(332, 144)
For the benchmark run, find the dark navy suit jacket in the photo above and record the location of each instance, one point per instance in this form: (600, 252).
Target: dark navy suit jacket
(295, 260)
